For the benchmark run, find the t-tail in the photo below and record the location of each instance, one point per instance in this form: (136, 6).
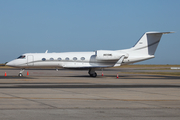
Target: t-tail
(145, 48)
(148, 43)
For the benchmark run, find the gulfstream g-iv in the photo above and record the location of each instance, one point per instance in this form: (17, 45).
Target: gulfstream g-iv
(144, 49)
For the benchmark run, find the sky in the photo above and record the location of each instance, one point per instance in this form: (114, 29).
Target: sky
(34, 26)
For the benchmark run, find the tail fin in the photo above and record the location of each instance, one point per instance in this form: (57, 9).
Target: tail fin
(148, 43)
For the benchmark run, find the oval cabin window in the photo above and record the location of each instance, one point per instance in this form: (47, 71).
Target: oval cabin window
(43, 59)
(82, 58)
(51, 58)
(75, 58)
(59, 59)
(67, 59)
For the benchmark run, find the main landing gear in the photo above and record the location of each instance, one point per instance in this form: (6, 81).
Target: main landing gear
(20, 73)
(92, 72)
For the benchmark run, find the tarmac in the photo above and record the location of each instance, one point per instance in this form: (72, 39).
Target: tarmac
(68, 94)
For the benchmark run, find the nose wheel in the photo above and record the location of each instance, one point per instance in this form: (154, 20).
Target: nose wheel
(20, 73)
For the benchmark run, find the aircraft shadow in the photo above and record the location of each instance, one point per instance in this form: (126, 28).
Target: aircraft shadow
(152, 77)
(131, 77)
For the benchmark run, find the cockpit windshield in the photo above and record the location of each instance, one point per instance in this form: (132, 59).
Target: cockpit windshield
(21, 57)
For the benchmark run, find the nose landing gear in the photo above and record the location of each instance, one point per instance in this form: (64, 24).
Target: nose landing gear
(20, 73)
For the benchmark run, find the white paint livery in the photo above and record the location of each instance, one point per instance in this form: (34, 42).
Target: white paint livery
(144, 49)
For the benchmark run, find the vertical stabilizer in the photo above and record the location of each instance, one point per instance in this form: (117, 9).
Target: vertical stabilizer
(148, 43)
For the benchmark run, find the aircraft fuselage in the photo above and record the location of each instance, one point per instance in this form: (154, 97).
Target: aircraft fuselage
(144, 49)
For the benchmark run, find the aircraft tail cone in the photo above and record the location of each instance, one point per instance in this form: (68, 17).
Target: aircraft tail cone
(5, 74)
(117, 76)
(27, 73)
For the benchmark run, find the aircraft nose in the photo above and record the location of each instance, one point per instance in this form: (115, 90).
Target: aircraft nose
(11, 63)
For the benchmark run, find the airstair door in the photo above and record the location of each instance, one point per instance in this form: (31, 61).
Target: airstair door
(30, 60)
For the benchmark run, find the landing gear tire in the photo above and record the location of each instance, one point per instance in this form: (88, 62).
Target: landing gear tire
(20, 74)
(92, 72)
(93, 75)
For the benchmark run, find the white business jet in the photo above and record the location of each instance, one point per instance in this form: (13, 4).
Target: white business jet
(144, 49)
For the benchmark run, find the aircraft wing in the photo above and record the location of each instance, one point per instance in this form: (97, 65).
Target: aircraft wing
(79, 66)
(84, 67)
(119, 61)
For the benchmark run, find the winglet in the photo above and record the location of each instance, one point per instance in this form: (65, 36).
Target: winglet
(46, 51)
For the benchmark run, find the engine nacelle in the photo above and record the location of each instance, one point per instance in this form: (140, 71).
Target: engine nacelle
(109, 55)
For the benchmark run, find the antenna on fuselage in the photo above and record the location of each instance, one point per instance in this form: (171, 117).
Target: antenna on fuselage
(46, 51)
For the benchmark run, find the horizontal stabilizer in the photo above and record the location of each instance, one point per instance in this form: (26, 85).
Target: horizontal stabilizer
(158, 32)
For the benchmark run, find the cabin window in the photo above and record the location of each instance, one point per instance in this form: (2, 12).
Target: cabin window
(51, 58)
(21, 57)
(59, 59)
(75, 58)
(43, 59)
(82, 58)
(107, 54)
(67, 58)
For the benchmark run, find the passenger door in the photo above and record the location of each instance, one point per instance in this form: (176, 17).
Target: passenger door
(30, 60)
